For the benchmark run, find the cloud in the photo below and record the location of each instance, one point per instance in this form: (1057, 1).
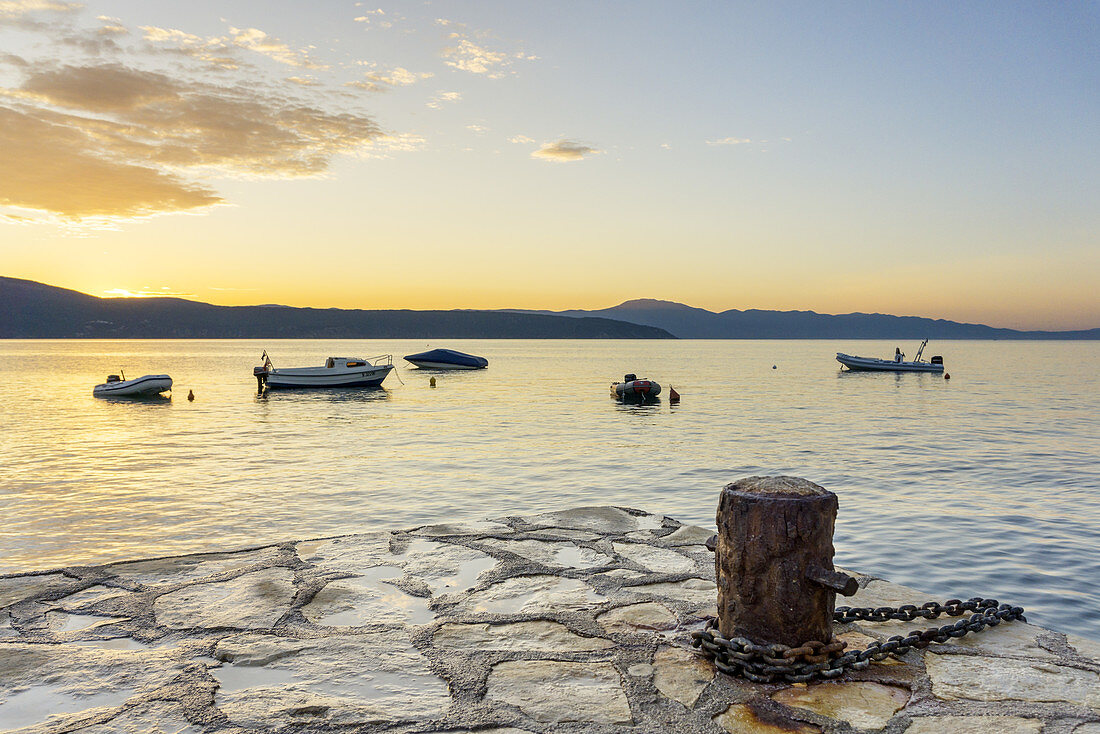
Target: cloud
(729, 141)
(442, 98)
(479, 129)
(564, 151)
(520, 139)
(377, 18)
(381, 80)
(13, 60)
(217, 51)
(51, 167)
(111, 26)
(256, 40)
(468, 56)
(104, 88)
(18, 8)
(109, 140)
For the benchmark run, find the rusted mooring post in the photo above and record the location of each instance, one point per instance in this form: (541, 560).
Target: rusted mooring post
(774, 561)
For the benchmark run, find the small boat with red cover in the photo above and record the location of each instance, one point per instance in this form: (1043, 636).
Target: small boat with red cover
(631, 388)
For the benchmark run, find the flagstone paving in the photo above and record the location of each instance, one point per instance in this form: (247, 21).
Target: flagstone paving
(570, 621)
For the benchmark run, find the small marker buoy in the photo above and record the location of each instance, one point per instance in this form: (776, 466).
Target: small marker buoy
(946, 376)
(774, 367)
(432, 382)
(191, 395)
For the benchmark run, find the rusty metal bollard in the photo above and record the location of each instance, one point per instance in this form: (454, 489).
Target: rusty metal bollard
(774, 561)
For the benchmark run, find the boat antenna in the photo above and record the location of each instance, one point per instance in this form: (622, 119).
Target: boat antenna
(123, 374)
(920, 351)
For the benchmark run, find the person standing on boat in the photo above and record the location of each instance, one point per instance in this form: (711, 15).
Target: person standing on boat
(898, 354)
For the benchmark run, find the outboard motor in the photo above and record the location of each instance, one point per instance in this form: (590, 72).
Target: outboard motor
(937, 359)
(260, 373)
(630, 377)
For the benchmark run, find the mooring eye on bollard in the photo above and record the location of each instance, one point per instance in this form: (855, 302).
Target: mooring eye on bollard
(773, 560)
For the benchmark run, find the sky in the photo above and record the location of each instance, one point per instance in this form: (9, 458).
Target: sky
(929, 159)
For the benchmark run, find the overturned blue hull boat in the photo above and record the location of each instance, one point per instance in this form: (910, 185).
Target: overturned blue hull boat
(447, 359)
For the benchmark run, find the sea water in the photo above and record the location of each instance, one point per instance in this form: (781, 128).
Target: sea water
(987, 483)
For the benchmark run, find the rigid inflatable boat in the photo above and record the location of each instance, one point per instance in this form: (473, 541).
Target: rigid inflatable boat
(631, 388)
(145, 386)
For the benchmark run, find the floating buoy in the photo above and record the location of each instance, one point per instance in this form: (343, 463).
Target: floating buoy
(774, 367)
(191, 395)
(673, 396)
(946, 376)
(432, 382)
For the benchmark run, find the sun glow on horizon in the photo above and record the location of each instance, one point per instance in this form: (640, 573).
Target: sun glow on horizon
(163, 292)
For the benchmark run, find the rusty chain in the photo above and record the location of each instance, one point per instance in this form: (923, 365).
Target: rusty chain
(770, 663)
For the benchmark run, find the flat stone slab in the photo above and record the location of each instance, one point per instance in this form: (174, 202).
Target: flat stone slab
(573, 621)
(521, 636)
(974, 725)
(965, 677)
(276, 682)
(256, 599)
(635, 618)
(862, 704)
(558, 692)
(680, 674)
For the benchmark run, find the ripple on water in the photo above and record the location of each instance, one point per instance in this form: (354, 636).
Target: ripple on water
(987, 482)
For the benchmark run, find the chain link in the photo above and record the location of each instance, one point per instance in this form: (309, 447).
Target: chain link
(771, 663)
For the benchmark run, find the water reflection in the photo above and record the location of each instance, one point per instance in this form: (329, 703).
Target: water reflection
(987, 484)
(148, 400)
(325, 395)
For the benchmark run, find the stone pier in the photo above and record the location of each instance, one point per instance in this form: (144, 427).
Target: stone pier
(571, 621)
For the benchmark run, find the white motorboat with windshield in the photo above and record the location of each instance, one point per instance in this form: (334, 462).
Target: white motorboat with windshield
(139, 387)
(336, 372)
(897, 364)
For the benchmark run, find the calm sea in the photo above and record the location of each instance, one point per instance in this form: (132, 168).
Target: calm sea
(984, 484)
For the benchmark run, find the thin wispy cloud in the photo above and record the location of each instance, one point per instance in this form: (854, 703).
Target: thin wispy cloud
(466, 55)
(256, 40)
(376, 18)
(381, 79)
(755, 144)
(443, 98)
(520, 139)
(473, 56)
(111, 26)
(18, 8)
(217, 51)
(564, 151)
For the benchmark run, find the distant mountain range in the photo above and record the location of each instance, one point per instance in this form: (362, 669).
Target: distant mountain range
(687, 322)
(31, 310)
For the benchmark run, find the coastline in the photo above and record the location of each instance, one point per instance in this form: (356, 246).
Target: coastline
(578, 618)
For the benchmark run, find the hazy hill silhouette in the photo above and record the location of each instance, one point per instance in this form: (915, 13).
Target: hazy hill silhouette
(687, 322)
(32, 310)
